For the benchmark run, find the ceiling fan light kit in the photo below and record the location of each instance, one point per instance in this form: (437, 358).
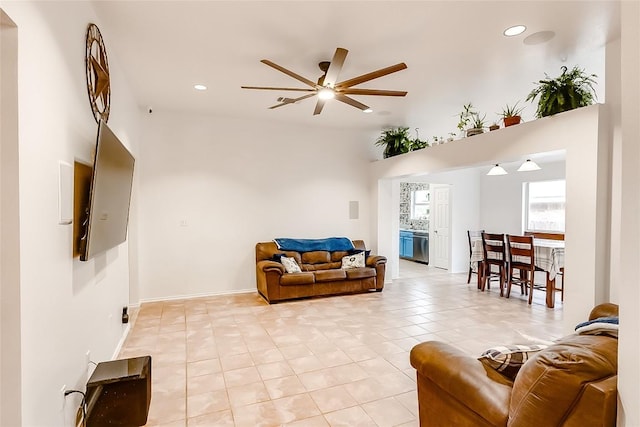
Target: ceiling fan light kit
(327, 86)
(326, 93)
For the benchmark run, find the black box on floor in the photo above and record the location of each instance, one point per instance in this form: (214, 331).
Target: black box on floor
(119, 393)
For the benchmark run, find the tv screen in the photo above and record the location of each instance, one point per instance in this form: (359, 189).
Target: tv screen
(110, 195)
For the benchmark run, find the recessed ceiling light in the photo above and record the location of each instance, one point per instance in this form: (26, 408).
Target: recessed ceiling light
(199, 87)
(368, 110)
(514, 31)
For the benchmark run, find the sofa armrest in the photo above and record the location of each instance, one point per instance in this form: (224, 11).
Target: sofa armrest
(481, 389)
(374, 260)
(602, 395)
(267, 265)
(604, 310)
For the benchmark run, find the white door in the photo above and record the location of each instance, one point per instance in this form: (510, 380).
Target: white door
(440, 233)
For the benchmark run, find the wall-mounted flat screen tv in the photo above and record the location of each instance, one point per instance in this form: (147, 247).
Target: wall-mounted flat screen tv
(110, 195)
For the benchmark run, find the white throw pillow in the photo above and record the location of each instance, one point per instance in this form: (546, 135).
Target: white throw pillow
(290, 265)
(353, 261)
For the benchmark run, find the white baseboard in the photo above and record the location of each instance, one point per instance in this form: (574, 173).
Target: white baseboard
(202, 295)
(125, 334)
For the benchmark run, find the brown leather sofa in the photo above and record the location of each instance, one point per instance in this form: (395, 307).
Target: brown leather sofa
(321, 273)
(570, 383)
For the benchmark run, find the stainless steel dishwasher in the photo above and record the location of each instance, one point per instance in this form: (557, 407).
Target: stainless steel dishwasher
(421, 246)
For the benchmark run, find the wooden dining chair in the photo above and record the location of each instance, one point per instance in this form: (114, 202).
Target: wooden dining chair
(545, 235)
(551, 236)
(493, 248)
(471, 236)
(521, 259)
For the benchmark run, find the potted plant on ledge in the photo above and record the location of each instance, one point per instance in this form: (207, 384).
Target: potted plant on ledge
(397, 141)
(477, 124)
(572, 89)
(511, 114)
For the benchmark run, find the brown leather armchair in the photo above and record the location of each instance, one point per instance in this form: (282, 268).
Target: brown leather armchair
(571, 383)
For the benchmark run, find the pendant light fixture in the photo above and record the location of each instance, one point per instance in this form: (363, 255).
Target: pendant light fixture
(497, 170)
(528, 165)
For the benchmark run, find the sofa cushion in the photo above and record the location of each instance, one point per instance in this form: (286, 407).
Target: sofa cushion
(316, 257)
(360, 273)
(353, 261)
(323, 266)
(290, 265)
(292, 279)
(509, 359)
(554, 378)
(330, 275)
(338, 255)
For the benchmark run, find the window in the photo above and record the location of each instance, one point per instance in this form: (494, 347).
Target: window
(544, 205)
(420, 204)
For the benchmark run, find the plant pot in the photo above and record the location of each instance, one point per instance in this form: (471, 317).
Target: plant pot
(474, 131)
(494, 127)
(510, 121)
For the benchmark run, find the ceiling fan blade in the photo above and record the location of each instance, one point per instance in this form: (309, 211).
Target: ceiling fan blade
(351, 101)
(287, 101)
(319, 106)
(278, 88)
(335, 67)
(355, 91)
(372, 75)
(289, 73)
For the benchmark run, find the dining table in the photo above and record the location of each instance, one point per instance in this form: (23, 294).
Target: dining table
(549, 257)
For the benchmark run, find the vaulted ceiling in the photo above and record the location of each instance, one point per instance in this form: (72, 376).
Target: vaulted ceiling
(455, 52)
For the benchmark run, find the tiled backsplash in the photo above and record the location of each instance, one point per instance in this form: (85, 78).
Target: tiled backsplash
(405, 206)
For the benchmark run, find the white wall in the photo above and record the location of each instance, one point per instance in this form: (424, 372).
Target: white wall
(501, 207)
(629, 291)
(10, 362)
(211, 188)
(67, 307)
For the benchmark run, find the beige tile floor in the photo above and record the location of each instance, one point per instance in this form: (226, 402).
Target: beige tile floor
(338, 361)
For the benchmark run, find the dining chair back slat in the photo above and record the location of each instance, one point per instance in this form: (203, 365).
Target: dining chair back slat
(522, 261)
(545, 235)
(494, 251)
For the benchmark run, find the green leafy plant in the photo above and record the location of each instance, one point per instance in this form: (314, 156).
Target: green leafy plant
(572, 89)
(477, 122)
(417, 144)
(465, 116)
(511, 110)
(397, 141)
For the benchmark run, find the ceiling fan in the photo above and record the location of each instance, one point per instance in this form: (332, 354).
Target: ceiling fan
(326, 87)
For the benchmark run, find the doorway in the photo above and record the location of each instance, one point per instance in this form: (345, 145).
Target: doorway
(413, 220)
(440, 227)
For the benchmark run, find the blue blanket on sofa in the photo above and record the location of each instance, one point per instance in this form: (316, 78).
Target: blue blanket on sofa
(330, 244)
